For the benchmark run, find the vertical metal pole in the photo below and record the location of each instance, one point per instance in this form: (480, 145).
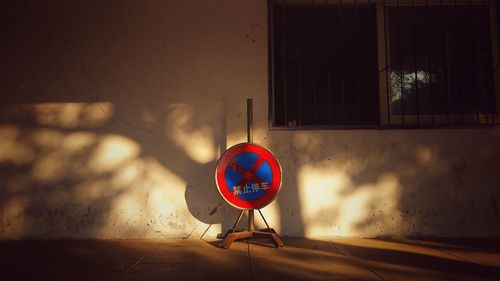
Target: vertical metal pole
(249, 120)
(250, 139)
(251, 226)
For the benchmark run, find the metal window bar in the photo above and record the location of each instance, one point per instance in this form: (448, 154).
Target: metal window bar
(459, 70)
(401, 72)
(299, 74)
(414, 33)
(478, 97)
(328, 58)
(445, 69)
(271, 68)
(482, 84)
(356, 61)
(285, 102)
(315, 59)
(387, 68)
(342, 48)
(429, 59)
(373, 83)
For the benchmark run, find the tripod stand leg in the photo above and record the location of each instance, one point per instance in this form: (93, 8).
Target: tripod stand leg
(233, 235)
(228, 240)
(263, 218)
(238, 221)
(232, 230)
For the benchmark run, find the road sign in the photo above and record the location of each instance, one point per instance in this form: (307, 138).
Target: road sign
(248, 176)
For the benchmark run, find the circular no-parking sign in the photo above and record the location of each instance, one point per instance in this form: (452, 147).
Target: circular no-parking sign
(248, 176)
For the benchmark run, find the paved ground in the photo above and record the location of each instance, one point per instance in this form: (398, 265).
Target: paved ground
(301, 259)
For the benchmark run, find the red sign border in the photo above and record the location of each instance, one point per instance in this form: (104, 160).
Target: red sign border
(223, 189)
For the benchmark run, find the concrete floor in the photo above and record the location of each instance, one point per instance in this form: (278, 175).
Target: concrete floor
(301, 259)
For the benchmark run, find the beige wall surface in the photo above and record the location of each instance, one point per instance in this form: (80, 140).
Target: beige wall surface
(114, 113)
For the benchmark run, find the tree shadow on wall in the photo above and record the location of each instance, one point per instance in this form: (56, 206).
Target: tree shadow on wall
(119, 177)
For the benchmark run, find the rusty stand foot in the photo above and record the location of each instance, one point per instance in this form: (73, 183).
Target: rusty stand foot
(270, 233)
(233, 234)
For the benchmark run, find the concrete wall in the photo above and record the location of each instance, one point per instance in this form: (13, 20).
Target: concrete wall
(113, 114)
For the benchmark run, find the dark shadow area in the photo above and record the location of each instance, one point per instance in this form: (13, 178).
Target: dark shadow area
(176, 259)
(428, 262)
(113, 114)
(483, 244)
(70, 259)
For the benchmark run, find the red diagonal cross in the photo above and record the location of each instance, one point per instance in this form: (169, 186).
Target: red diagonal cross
(247, 174)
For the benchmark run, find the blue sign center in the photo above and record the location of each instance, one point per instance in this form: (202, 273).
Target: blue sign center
(248, 176)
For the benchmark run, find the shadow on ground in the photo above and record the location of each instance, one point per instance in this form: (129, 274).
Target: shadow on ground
(301, 259)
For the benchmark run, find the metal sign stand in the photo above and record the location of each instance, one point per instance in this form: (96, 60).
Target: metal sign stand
(233, 234)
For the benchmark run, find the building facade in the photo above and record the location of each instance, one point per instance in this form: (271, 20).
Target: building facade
(113, 115)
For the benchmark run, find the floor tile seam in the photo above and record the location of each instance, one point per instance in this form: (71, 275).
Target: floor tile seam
(443, 251)
(354, 258)
(132, 267)
(250, 277)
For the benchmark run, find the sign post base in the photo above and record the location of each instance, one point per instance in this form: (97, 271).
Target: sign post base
(233, 234)
(248, 177)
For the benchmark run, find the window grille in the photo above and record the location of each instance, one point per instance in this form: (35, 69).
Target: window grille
(377, 64)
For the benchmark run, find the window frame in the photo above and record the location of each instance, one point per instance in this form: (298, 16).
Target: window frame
(388, 120)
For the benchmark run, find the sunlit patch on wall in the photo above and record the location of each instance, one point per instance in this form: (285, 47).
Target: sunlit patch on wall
(64, 115)
(94, 189)
(49, 167)
(236, 137)
(197, 141)
(306, 141)
(74, 142)
(319, 195)
(129, 173)
(12, 149)
(272, 214)
(111, 152)
(424, 154)
(58, 154)
(71, 115)
(11, 218)
(331, 205)
(153, 205)
(148, 116)
(93, 184)
(166, 189)
(47, 138)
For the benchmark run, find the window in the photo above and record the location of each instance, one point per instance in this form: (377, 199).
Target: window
(372, 64)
